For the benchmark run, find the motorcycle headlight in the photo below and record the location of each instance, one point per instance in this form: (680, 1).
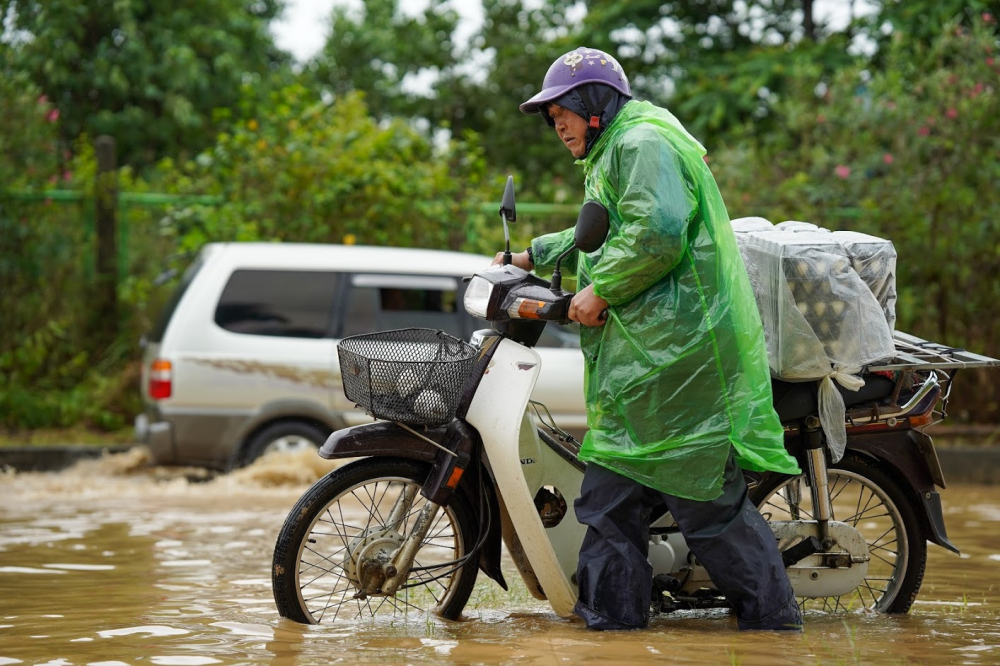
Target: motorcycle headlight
(477, 297)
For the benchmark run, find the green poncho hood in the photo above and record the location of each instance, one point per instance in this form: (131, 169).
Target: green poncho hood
(679, 372)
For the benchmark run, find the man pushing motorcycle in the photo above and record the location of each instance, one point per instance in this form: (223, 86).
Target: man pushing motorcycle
(677, 381)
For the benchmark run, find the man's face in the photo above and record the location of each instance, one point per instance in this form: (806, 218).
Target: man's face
(571, 128)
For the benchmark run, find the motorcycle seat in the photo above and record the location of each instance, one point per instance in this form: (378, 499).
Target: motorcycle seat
(797, 400)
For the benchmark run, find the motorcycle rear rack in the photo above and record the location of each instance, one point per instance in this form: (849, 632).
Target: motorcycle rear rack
(913, 353)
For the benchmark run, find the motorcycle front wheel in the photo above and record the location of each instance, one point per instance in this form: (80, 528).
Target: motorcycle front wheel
(352, 517)
(865, 497)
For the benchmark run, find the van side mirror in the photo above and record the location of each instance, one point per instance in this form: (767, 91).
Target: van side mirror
(591, 227)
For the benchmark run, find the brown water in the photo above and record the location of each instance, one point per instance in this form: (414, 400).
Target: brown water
(113, 563)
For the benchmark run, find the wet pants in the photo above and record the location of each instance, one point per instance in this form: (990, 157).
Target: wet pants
(728, 536)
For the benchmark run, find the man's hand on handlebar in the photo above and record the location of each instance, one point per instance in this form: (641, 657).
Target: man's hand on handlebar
(519, 259)
(588, 308)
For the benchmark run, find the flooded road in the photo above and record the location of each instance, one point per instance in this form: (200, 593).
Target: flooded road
(113, 562)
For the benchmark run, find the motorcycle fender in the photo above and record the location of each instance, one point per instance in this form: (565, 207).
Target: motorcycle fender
(906, 454)
(491, 550)
(384, 439)
(381, 439)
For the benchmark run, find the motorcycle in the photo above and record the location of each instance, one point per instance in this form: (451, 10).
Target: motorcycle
(463, 461)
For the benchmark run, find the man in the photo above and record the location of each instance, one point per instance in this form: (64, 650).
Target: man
(677, 380)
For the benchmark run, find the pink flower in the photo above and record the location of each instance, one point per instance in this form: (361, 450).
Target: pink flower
(52, 115)
(951, 113)
(842, 171)
(988, 17)
(924, 131)
(67, 175)
(989, 61)
(887, 158)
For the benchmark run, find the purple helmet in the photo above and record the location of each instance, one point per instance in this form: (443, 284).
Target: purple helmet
(573, 69)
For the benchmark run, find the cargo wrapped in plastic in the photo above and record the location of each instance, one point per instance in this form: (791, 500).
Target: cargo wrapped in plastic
(745, 224)
(822, 320)
(874, 260)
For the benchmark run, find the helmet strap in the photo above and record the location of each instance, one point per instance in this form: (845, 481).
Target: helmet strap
(594, 126)
(595, 113)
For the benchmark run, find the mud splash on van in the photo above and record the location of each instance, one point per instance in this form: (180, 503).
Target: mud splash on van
(325, 379)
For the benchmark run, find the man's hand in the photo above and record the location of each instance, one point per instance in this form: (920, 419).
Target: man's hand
(588, 308)
(519, 259)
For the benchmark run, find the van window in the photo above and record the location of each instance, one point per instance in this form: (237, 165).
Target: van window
(291, 304)
(386, 302)
(156, 335)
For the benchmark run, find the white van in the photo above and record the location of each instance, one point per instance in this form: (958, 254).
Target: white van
(243, 358)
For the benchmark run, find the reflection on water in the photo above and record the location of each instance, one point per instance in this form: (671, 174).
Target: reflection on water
(113, 562)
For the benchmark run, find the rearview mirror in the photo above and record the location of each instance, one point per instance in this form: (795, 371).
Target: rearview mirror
(591, 227)
(507, 209)
(508, 213)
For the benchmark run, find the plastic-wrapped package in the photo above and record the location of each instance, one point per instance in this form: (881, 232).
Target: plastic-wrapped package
(816, 309)
(795, 225)
(874, 260)
(821, 320)
(747, 224)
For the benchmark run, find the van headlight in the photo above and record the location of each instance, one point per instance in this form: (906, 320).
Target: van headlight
(477, 297)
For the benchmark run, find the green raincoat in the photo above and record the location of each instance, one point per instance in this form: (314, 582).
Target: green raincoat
(679, 372)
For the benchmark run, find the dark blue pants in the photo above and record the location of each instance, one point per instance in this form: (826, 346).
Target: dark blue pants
(728, 536)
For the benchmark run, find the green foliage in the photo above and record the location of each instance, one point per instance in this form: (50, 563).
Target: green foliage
(918, 22)
(718, 63)
(29, 142)
(376, 52)
(148, 72)
(398, 131)
(312, 171)
(907, 153)
(476, 86)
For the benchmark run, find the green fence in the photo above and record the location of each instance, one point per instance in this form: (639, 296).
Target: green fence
(125, 202)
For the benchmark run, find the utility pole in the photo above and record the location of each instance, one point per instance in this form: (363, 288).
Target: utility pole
(106, 217)
(808, 26)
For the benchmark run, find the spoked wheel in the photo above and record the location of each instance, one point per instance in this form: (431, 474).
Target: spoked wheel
(866, 498)
(339, 540)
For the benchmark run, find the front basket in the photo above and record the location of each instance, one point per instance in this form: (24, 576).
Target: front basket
(411, 375)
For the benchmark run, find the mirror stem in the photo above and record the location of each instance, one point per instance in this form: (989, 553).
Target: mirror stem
(557, 279)
(557, 272)
(507, 259)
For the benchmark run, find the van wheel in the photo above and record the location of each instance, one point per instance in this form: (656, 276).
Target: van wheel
(286, 436)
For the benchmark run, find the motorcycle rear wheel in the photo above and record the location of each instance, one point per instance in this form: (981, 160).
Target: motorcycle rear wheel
(318, 557)
(864, 496)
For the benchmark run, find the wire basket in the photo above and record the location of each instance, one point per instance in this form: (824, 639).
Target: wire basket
(410, 375)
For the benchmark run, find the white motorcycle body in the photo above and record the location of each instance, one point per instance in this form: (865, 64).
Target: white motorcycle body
(546, 558)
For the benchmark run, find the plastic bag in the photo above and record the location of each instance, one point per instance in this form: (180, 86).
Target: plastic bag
(822, 321)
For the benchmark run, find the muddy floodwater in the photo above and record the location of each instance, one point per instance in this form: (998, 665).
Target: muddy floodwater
(114, 562)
